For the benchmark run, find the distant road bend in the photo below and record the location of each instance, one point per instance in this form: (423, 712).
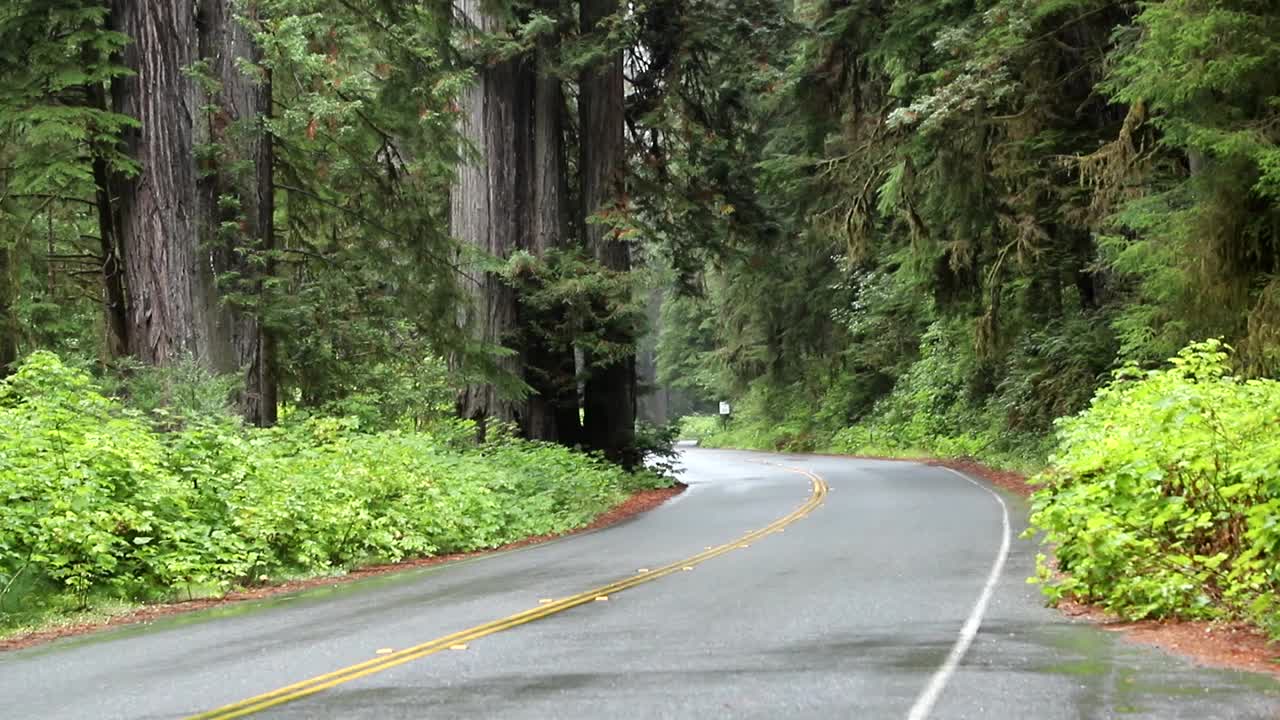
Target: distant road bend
(775, 587)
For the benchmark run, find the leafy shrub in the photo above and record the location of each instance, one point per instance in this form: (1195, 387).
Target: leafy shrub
(767, 417)
(173, 395)
(656, 446)
(84, 491)
(98, 503)
(1164, 496)
(698, 427)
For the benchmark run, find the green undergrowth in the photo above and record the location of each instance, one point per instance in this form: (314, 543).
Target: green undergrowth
(869, 440)
(1163, 497)
(103, 504)
(931, 406)
(879, 435)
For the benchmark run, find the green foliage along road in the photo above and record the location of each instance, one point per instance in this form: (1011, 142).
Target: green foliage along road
(946, 223)
(1164, 496)
(102, 503)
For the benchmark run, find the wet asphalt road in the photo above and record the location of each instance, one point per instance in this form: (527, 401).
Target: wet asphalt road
(852, 612)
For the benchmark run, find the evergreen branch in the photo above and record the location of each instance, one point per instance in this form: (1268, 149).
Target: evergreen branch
(365, 220)
(54, 197)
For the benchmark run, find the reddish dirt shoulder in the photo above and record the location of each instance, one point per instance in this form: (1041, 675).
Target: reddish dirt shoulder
(1235, 646)
(1007, 479)
(640, 502)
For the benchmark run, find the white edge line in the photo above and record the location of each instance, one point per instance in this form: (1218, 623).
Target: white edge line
(929, 697)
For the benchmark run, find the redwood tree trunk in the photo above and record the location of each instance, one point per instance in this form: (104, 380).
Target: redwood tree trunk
(488, 210)
(552, 409)
(172, 312)
(610, 396)
(115, 306)
(8, 324)
(242, 234)
(115, 302)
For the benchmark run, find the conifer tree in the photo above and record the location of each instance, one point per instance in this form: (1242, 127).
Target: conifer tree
(552, 407)
(239, 196)
(609, 401)
(173, 307)
(489, 200)
(201, 201)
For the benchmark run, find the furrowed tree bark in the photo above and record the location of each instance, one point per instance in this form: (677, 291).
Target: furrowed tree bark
(488, 210)
(173, 309)
(238, 197)
(552, 410)
(610, 396)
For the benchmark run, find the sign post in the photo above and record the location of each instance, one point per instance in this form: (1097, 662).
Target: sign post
(725, 412)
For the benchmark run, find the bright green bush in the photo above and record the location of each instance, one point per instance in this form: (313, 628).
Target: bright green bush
(98, 503)
(698, 427)
(1164, 497)
(85, 492)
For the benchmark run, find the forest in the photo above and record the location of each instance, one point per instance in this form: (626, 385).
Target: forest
(251, 248)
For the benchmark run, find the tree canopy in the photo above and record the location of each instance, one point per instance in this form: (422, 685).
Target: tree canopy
(951, 211)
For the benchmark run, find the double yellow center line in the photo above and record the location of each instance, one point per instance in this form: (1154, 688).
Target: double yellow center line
(320, 683)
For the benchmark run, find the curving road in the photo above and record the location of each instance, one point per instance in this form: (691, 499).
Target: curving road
(898, 593)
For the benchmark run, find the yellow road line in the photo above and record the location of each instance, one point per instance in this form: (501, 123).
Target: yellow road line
(311, 686)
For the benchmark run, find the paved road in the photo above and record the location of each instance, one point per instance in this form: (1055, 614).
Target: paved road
(857, 610)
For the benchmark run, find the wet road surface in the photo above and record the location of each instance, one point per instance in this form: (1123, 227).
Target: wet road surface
(891, 599)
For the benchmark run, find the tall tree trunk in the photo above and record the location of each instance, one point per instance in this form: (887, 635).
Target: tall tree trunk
(115, 306)
(552, 410)
(488, 208)
(173, 310)
(8, 277)
(115, 301)
(610, 398)
(241, 233)
(8, 323)
(652, 400)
